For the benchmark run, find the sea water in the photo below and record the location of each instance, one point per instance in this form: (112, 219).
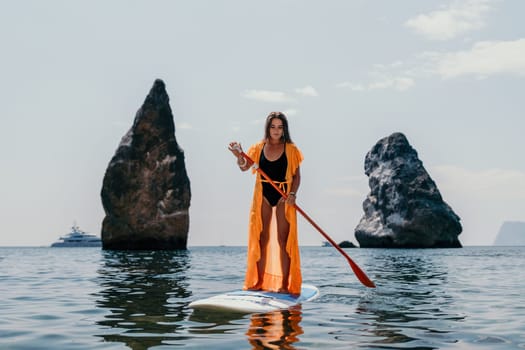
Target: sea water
(87, 298)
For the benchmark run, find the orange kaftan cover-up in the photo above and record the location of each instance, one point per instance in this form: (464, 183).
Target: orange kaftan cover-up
(273, 275)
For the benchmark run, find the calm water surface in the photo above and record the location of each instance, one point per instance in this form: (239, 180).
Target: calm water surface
(85, 298)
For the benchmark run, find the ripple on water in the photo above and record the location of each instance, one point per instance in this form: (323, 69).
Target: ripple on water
(425, 299)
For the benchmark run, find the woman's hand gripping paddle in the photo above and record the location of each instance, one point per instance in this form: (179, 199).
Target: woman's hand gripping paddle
(361, 276)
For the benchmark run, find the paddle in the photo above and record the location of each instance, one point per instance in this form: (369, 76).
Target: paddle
(361, 276)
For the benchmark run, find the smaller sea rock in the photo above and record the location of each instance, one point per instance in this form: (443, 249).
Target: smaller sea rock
(404, 208)
(346, 244)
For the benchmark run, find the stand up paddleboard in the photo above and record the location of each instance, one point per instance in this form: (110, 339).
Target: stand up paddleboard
(247, 301)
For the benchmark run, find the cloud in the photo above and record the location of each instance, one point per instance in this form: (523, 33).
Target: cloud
(289, 112)
(307, 91)
(258, 121)
(396, 83)
(458, 18)
(384, 76)
(483, 59)
(279, 96)
(184, 125)
(267, 96)
(400, 83)
(351, 86)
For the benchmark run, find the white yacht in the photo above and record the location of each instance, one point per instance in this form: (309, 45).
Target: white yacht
(78, 238)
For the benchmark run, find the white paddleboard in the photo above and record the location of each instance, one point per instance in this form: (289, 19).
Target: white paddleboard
(255, 301)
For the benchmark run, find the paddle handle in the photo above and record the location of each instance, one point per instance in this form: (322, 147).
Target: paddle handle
(361, 276)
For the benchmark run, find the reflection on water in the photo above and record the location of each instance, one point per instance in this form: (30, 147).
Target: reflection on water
(412, 302)
(145, 293)
(275, 330)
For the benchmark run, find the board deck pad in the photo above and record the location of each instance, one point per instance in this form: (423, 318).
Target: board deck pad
(255, 301)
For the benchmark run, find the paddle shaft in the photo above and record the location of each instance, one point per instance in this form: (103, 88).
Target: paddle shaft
(363, 278)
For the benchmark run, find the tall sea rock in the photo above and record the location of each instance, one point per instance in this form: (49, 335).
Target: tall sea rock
(404, 208)
(146, 190)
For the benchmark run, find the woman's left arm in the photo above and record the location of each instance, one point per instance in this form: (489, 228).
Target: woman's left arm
(296, 181)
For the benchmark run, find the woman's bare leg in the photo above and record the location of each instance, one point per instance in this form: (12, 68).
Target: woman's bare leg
(283, 230)
(266, 215)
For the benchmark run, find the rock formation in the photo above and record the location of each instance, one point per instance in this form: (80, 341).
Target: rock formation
(346, 244)
(511, 233)
(404, 208)
(146, 191)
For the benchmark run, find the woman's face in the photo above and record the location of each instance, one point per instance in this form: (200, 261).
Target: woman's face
(276, 129)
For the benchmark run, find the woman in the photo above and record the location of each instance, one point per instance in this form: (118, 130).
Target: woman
(273, 262)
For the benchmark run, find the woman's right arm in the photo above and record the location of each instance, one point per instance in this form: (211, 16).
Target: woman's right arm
(242, 162)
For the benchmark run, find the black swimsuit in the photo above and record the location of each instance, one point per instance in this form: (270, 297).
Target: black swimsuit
(276, 170)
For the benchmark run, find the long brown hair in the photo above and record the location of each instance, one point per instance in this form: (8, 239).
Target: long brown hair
(286, 132)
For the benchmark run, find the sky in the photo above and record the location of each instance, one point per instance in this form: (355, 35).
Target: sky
(448, 74)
